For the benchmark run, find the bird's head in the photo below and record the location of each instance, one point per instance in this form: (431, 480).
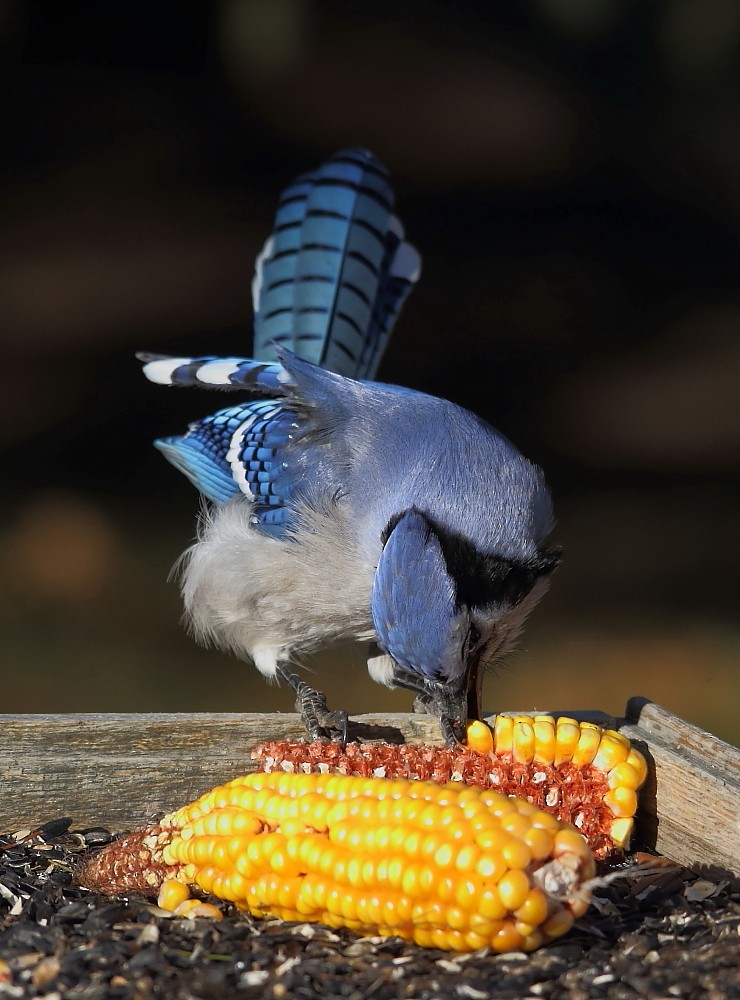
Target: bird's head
(444, 611)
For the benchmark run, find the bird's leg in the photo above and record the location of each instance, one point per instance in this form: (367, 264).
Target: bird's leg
(311, 705)
(437, 699)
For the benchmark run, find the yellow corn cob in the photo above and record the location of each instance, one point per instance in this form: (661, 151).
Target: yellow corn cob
(577, 771)
(446, 866)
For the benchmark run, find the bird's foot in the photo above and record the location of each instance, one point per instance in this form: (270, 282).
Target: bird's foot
(437, 699)
(311, 705)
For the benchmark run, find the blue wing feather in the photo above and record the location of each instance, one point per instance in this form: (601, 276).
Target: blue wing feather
(413, 603)
(239, 450)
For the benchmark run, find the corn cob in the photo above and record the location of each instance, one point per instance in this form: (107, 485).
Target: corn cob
(446, 866)
(580, 773)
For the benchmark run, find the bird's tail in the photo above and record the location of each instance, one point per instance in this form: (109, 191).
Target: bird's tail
(208, 372)
(331, 279)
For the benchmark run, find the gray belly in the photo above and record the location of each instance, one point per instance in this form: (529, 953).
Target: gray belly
(263, 598)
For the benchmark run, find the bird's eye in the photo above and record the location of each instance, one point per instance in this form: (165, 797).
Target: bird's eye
(473, 637)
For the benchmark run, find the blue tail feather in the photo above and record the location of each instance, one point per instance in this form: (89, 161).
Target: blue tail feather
(326, 283)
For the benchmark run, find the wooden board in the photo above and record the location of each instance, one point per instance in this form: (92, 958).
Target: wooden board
(690, 804)
(117, 771)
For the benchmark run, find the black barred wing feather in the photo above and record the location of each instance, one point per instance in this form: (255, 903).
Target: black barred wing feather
(239, 451)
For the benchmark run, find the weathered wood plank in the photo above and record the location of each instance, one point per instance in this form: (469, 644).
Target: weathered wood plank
(690, 804)
(117, 770)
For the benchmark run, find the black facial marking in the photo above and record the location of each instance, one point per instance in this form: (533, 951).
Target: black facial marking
(481, 579)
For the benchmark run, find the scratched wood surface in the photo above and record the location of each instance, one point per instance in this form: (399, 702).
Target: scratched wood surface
(117, 771)
(690, 804)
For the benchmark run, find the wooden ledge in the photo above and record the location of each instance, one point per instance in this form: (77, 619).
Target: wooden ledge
(117, 771)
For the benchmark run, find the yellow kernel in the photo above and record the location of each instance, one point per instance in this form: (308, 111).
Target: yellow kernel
(485, 927)
(490, 906)
(516, 853)
(410, 881)
(444, 857)
(491, 866)
(396, 868)
(534, 909)
(516, 825)
(624, 776)
(612, 751)
(567, 734)
(523, 742)
(533, 940)
(492, 840)
(635, 759)
(570, 841)
(507, 939)
(539, 842)
(513, 888)
(237, 886)
(200, 850)
(475, 941)
(559, 923)
(353, 872)
(544, 739)
(503, 731)
(192, 908)
(621, 801)
(466, 894)
(524, 808)
(467, 858)
(430, 818)
(544, 821)
(220, 854)
(422, 936)
(396, 910)
(348, 906)
(621, 831)
(445, 887)
(579, 905)
(588, 744)
(172, 893)
(412, 842)
(480, 737)
(456, 918)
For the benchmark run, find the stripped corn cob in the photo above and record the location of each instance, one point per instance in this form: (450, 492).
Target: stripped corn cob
(445, 866)
(582, 774)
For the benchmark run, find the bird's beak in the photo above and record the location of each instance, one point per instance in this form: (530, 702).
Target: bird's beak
(474, 690)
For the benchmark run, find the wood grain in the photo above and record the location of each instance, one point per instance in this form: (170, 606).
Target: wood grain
(690, 804)
(117, 771)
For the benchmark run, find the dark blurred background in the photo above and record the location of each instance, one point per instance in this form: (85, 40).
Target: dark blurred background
(570, 170)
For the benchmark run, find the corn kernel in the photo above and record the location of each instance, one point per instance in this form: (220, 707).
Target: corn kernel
(480, 737)
(613, 750)
(544, 739)
(503, 734)
(172, 893)
(559, 923)
(588, 745)
(635, 759)
(621, 831)
(513, 888)
(624, 775)
(523, 741)
(567, 734)
(621, 801)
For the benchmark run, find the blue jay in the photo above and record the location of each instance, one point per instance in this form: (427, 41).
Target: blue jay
(342, 507)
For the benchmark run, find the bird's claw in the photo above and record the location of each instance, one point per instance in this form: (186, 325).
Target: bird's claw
(320, 723)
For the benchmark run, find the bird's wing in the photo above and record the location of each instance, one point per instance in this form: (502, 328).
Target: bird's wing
(414, 603)
(239, 450)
